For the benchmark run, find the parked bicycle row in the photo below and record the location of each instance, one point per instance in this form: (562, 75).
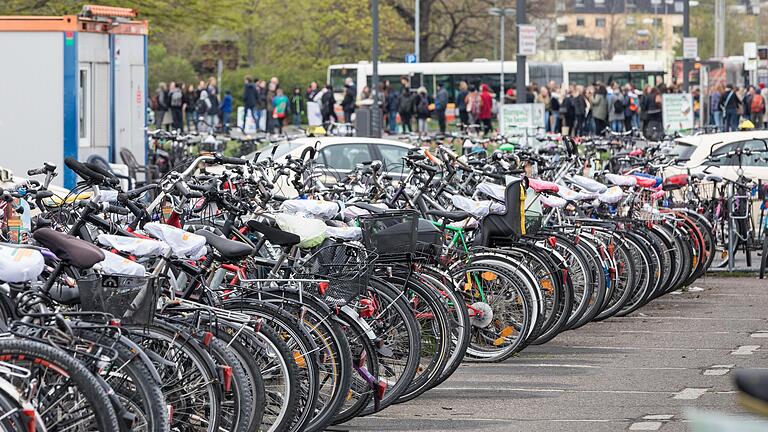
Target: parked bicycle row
(210, 300)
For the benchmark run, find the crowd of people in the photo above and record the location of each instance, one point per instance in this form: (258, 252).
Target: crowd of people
(574, 110)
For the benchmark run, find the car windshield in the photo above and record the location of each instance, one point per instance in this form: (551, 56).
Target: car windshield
(680, 150)
(282, 150)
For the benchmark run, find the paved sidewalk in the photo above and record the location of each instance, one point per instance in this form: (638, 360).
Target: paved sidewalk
(642, 372)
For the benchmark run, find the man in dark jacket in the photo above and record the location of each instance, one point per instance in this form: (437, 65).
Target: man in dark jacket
(730, 104)
(297, 106)
(441, 103)
(328, 106)
(250, 95)
(406, 109)
(392, 105)
(350, 96)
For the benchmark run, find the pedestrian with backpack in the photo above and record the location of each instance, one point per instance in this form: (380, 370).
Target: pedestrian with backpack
(159, 104)
(176, 98)
(616, 109)
(422, 109)
(756, 108)
(406, 109)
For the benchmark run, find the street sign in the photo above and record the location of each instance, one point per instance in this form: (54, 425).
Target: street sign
(677, 111)
(526, 37)
(690, 48)
(410, 58)
(750, 50)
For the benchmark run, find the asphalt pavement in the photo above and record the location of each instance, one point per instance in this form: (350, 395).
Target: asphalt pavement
(642, 372)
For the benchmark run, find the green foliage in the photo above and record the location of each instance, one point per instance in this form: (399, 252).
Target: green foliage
(165, 68)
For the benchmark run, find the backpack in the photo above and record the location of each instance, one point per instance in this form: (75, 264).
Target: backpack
(176, 98)
(633, 103)
(476, 106)
(618, 106)
(423, 107)
(757, 105)
(202, 106)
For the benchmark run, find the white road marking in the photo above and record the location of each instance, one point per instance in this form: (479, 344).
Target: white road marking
(658, 417)
(745, 350)
(760, 334)
(718, 370)
(690, 393)
(645, 426)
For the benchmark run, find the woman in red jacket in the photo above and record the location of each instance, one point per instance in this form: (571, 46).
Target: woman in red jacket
(486, 105)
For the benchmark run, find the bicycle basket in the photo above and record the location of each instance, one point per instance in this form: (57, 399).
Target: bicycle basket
(533, 221)
(391, 234)
(132, 299)
(346, 267)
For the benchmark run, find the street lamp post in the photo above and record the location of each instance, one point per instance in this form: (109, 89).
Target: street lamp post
(501, 13)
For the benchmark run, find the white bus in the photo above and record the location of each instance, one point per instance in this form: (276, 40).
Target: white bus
(487, 72)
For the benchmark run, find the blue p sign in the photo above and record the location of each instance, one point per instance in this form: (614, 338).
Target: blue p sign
(410, 58)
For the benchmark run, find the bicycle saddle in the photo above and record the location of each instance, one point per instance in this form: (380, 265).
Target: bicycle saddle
(230, 250)
(73, 250)
(589, 184)
(540, 186)
(274, 235)
(713, 178)
(621, 180)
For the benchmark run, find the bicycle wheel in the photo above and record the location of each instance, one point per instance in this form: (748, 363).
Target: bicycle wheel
(189, 376)
(70, 395)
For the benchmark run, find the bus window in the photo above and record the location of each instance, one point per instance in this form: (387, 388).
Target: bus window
(339, 75)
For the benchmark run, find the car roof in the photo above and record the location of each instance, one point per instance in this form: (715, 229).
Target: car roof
(325, 141)
(709, 140)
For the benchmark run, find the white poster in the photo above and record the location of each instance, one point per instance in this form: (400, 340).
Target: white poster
(526, 34)
(677, 111)
(521, 116)
(314, 116)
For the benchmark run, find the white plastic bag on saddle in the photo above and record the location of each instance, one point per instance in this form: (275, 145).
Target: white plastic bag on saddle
(552, 201)
(312, 232)
(114, 264)
(493, 190)
(612, 195)
(621, 180)
(315, 208)
(589, 184)
(478, 209)
(345, 233)
(571, 195)
(134, 245)
(18, 264)
(351, 212)
(185, 245)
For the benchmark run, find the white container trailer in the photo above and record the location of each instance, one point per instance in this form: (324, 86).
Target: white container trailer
(72, 86)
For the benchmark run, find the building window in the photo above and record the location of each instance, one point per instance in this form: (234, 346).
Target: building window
(84, 105)
(677, 29)
(600, 22)
(579, 22)
(562, 28)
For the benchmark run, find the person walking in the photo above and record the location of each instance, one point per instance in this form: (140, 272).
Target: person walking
(328, 106)
(473, 105)
(756, 108)
(212, 116)
(392, 104)
(280, 110)
(422, 109)
(653, 128)
(202, 107)
(485, 115)
(348, 102)
(715, 110)
(190, 100)
(631, 114)
(600, 108)
(160, 104)
(730, 106)
(297, 107)
(270, 98)
(250, 97)
(461, 105)
(579, 111)
(406, 108)
(175, 102)
(441, 103)
(225, 110)
(616, 109)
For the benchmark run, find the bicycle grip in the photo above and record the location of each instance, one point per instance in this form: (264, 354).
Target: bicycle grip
(117, 209)
(312, 152)
(231, 160)
(83, 171)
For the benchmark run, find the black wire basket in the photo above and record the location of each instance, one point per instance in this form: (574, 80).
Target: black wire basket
(346, 267)
(131, 299)
(400, 235)
(533, 222)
